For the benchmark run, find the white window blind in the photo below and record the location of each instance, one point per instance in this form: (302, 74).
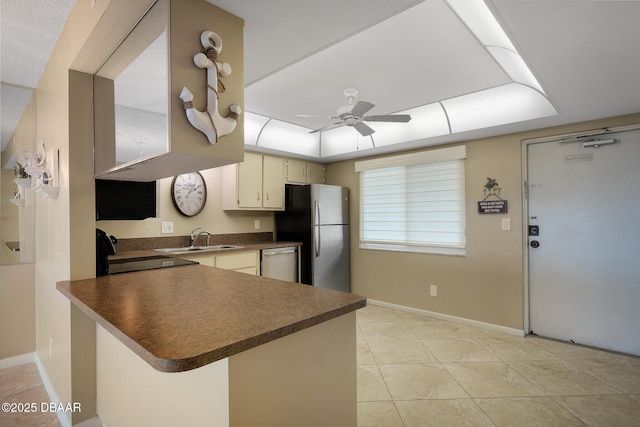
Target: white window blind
(414, 202)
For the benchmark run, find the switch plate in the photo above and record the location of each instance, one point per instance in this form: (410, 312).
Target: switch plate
(433, 290)
(167, 227)
(506, 224)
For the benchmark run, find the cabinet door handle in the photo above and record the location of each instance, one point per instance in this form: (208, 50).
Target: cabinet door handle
(267, 196)
(257, 196)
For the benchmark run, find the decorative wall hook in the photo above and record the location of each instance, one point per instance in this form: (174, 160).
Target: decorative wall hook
(210, 122)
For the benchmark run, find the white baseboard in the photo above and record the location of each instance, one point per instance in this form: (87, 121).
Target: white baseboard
(21, 359)
(63, 417)
(456, 319)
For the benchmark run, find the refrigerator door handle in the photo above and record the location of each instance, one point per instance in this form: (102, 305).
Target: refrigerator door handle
(316, 228)
(316, 217)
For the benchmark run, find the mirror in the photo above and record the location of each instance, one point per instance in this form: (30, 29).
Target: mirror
(17, 201)
(131, 96)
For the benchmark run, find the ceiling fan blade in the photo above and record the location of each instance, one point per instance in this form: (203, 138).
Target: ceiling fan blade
(401, 118)
(363, 129)
(361, 107)
(329, 127)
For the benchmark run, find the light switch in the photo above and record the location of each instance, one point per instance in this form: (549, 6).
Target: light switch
(506, 224)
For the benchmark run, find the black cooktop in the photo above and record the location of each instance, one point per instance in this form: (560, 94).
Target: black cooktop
(127, 265)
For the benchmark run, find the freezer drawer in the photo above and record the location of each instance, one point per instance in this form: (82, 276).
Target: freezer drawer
(280, 263)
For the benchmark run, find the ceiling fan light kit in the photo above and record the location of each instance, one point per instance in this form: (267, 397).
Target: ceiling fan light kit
(353, 115)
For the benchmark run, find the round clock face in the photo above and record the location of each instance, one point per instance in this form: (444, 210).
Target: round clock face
(189, 193)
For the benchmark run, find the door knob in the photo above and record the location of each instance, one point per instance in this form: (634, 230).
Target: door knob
(534, 244)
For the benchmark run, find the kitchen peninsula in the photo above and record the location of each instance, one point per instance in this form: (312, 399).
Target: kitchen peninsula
(197, 345)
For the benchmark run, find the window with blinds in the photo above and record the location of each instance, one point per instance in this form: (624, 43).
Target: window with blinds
(414, 203)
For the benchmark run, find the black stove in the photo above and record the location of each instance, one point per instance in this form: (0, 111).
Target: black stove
(127, 265)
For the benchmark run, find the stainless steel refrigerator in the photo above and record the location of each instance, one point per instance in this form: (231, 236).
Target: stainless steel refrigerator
(318, 216)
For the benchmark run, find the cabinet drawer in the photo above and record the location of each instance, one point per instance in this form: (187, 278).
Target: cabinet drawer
(237, 260)
(249, 270)
(204, 259)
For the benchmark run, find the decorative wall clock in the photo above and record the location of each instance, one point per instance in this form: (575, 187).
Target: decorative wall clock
(189, 193)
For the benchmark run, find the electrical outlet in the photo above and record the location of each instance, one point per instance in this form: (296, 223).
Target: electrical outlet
(167, 227)
(256, 224)
(433, 290)
(50, 348)
(506, 224)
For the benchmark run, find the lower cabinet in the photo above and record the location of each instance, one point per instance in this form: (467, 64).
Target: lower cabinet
(204, 259)
(243, 262)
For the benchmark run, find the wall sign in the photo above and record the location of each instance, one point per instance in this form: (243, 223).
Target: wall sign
(492, 189)
(492, 206)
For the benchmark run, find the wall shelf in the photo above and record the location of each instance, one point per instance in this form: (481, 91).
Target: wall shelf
(23, 182)
(43, 177)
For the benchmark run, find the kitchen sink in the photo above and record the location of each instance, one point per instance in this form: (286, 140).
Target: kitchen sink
(191, 249)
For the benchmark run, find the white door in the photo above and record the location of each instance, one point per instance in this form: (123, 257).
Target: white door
(584, 274)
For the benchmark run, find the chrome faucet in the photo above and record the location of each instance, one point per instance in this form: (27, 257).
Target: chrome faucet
(194, 237)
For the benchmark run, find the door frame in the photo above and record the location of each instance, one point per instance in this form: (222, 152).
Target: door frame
(525, 197)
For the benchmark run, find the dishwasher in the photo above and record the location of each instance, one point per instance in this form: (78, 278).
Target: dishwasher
(280, 263)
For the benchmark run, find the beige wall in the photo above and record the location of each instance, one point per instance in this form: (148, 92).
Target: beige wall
(17, 310)
(60, 233)
(487, 284)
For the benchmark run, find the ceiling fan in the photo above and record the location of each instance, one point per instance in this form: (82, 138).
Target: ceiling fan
(353, 115)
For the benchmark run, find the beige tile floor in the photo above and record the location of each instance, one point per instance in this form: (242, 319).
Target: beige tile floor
(415, 370)
(22, 384)
(420, 371)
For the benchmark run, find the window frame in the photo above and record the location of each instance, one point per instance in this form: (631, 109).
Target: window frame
(456, 153)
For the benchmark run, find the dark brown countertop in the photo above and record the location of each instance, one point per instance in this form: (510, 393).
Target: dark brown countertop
(178, 319)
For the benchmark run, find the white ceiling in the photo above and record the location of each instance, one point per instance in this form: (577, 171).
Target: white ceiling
(29, 30)
(301, 54)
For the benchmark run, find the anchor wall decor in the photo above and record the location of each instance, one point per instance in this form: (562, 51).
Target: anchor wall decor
(210, 122)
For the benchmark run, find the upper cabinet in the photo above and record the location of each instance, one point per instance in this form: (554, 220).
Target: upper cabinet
(142, 132)
(255, 184)
(301, 172)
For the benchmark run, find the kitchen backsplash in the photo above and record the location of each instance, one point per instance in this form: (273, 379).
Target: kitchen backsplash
(146, 243)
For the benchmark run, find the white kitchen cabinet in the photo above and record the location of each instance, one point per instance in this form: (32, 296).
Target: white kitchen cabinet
(249, 181)
(273, 182)
(205, 259)
(243, 262)
(315, 173)
(296, 171)
(255, 184)
(301, 172)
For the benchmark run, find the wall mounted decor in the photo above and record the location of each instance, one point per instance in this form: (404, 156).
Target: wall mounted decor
(497, 206)
(210, 122)
(189, 193)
